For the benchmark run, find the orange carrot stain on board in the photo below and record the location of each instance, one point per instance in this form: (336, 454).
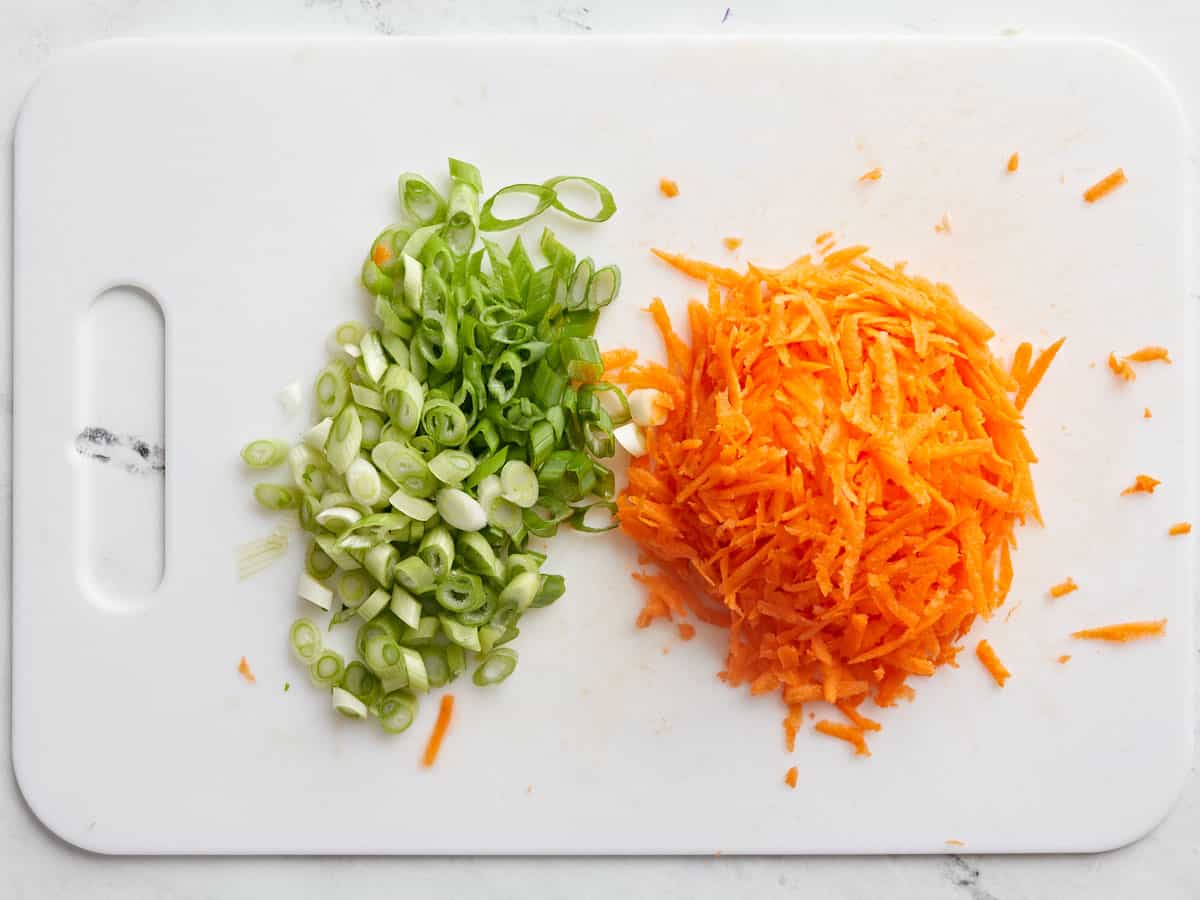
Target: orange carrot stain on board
(445, 712)
(827, 418)
(1124, 632)
(790, 778)
(871, 175)
(1063, 588)
(244, 670)
(1105, 185)
(1180, 528)
(1142, 484)
(731, 243)
(668, 188)
(991, 662)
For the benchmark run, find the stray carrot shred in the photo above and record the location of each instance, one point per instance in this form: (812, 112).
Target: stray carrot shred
(1146, 413)
(1064, 659)
(824, 237)
(991, 662)
(955, 843)
(1142, 484)
(445, 712)
(1013, 162)
(1123, 633)
(244, 670)
(873, 175)
(847, 733)
(1063, 588)
(1121, 368)
(686, 631)
(380, 254)
(668, 187)
(790, 778)
(944, 225)
(1150, 354)
(838, 480)
(1105, 185)
(731, 243)
(1180, 528)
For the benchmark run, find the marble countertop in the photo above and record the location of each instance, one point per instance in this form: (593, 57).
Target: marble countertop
(1166, 864)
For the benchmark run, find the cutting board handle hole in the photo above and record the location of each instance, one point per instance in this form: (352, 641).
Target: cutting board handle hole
(119, 448)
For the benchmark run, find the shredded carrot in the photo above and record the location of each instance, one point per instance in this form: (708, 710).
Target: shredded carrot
(244, 670)
(445, 712)
(824, 237)
(838, 480)
(1146, 413)
(1063, 588)
(1064, 659)
(847, 733)
(1150, 354)
(1180, 528)
(790, 778)
(1120, 368)
(1123, 633)
(731, 243)
(668, 187)
(1013, 162)
(686, 631)
(1021, 359)
(1142, 484)
(991, 662)
(1036, 372)
(1105, 185)
(873, 175)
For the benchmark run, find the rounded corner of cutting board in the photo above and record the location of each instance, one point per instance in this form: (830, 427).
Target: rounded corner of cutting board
(47, 812)
(1141, 67)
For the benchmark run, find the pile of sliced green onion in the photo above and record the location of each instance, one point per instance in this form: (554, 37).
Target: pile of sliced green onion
(468, 419)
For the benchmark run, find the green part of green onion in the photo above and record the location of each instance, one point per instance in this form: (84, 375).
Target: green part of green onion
(483, 614)
(306, 640)
(403, 398)
(579, 518)
(460, 592)
(437, 551)
(476, 555)
(264, 454)
(603, 288)
(452, 467)
(444, 422)
(374, 279)
(326, 670)
(276, 496)
(345, 440)
(352, 588)
(401, 463)
(437, 671)
(318, 563)
(414, 575)
(543, 199)
(495, 667)
(577, 287)
(397, 711)
(456, 660)
(332, 388)
(375, 603)
(414, 668)
(608, 206)
(465, 636)
(521, 590)
(489, 466)
(420, 200)
(553, 587)
(347, 704)
(362, 683)
(381, 653)
(372, 427)
(426, 631)
(505, 376)
(405, 606)
(380, 561)
(559, 256)
(581, 356)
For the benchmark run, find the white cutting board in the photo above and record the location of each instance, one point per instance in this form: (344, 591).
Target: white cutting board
(239, 183)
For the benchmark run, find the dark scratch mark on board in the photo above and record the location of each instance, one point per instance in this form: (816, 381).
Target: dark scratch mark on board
(133, 454)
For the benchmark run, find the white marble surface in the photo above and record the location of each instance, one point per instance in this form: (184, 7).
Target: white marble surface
(34, 864)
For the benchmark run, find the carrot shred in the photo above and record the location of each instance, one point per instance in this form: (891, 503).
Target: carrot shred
(824, 237)
(686, 631)
(1121, 368)
(1124, 632)
(244, 670)
(838, 480)
(445, 712)
(1014, 162)
(668, 188)
(1064, 659)
(1105, 185)
(380, 254)
(872, 175)
(1146, 413)
(953, 842)
(731, 243)
(1142, 484)
(1180, 528)
(1063, 588)
(991, 662)
(1021, 359)
(847, 733)
(1150, 354)
(791, 777)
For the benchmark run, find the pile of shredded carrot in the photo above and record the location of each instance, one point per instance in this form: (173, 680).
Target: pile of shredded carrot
(837, 481)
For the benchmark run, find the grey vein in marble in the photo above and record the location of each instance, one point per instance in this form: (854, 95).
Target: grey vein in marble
(966, 876)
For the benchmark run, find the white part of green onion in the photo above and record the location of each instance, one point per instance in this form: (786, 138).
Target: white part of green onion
(521, 590)
(314, 592)
(414, 274)
(264, 454)
(405, 607)
(338, 518)
(352, 541)
(632, 438)
(413, 507)
(611, 404)
(348, 705)
(372, 356)
(346, 333)
(518, 483)
(465, 636)
(352, 588)
(363, 483)
(341, 558)
(291, 398)
(374, 604)
(345, 439)
(316, 436)
(254, 556)
(488, 491)
(365, 396)
(646, 407)
(414, 667)
(351, 350)
(505, 515)
(460, 510)
(393, 681)
(452, 466)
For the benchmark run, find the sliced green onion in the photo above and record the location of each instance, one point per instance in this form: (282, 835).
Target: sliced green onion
(437, 551)
(437, 671)
(520, 562)
(414, 282)
(420, 199)
(380, 561)
(264, 454)
(406, 467)
(338, 518)
(553, 587)
(548, 385)
(579, 518)
(347, 333)
(374, 604)
(326, 670)
(405, 606)
(413, 507)
(460, 592)
(343, 559)
(521, 590)
(396, 347)
(632, 438)
(403, 398)
(577, 287)
(348, 705)
(444, 422)
(460, 510)
(580, 323)
(477, 555)
(495, 667)
(581, 356)
(314, 592)
(518, 484)
(366, 397)
(352, 589)
(426, 631)
(608, 206)
(361, 682)
(505, 377)
(489, 222)
(603, 287)
(372, 355)
(363, 482)
(372, 427)
(345, 440)
(490, 465)
(305, 639)
(541, 442)
(381, 653)
(397, 711)
(464, 636)
(332, 388)
(414, 575)
(462, 217)
(276, 496)
(452, 467)
(482, 614)
(318, 563)
(456, 660)
(414, 668)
